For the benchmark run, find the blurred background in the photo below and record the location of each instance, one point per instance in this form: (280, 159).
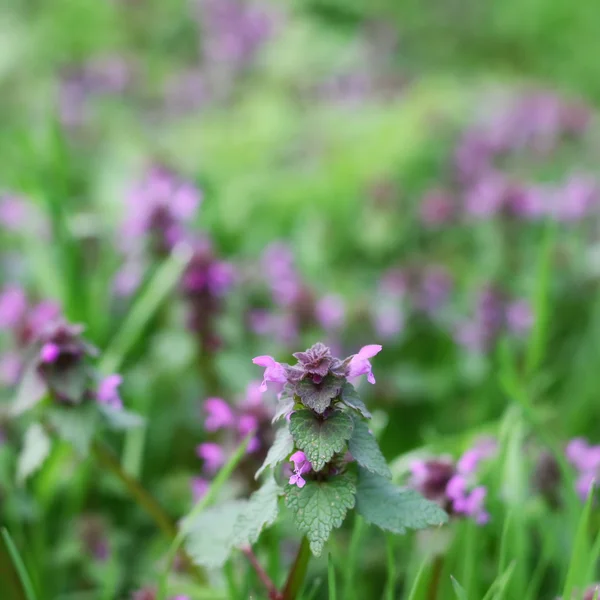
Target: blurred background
(202, 181)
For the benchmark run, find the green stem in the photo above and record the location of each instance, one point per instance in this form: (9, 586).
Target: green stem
(391, 568)
(298, 572)
(436, 576)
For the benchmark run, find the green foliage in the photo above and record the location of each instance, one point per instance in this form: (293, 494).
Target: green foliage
(282, 447)
(75, 424)
(364, 448)
(320, 438)
(319, 397)
(35, 450)
(210, 535)
(260, 512)
(321, 506)
(30, 392)
(120, 419)
(393, 508)
(351, 398)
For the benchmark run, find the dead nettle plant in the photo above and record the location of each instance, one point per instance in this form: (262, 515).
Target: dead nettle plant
(331, 462)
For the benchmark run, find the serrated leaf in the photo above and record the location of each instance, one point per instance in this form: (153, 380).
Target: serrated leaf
(75, 424)
(318, 397)
(282, 447)
(210, 538)
(351, 399)
(321, 506)
(30, 392)
(36, 447)
(319, 438)
(285, 405)
(120, 419)
(394, 508)
(260, 512)
(364, 448)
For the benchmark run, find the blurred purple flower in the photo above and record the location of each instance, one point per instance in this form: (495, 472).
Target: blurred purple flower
(108, 391)
(487, 197)
(330, 312)
(388, 319)
(434, 290)
(14, 212)
(13, 307)
(10, 368)
(213, 456)
(199, 488)
(49, 352)
(519, 317)
(437, 208)
(219, 415)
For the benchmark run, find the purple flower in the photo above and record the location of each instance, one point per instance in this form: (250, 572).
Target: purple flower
(253, 398)
(301, 466)
(434, 290)
(487, 197)
(108, 391)
(360, 364)
(213, 456)
(469, 461)
(13, 306)
(468, 503)
(388, 319)
(519, 317)
(274, 371)
(219, 415)
(437, 208)
(246, 424)
(330, 312)
(49, 352)
(199, 488)
(431, 477)
(14, 212)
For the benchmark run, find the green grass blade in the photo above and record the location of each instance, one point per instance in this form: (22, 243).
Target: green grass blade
(419, 585)
(580, 553)
(26, 586)
(391, 568)
(165, 279)
(499, 587)
(541, 302)
(460, 592)
(331, 578)
(352, 562)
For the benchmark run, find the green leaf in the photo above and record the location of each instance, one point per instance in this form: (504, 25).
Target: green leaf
(282, 447)
(318, 397)
(210, 539)
(321, 506)
(17, 582)
(70, 384)
(36, 447)
(460, 592)
(75, 424)
(393, 508)
(120, 419)
(31, 391)
(318, 438)
(285, 405)
(364, 448)
(260, 512)
(351, 399)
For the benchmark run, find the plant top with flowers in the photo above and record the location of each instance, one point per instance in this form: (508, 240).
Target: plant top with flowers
(336, 463)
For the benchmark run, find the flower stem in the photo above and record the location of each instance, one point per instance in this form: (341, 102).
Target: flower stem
(298, 572)
(105, 456)
(274, 593)
(436, 576)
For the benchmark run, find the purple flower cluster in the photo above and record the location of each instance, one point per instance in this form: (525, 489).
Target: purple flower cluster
(317, 378)
(494, 314)
(586, 460)
(296, 306)
(158, 207)
(424, 290)
(234, 423)
(453, 486)
(101, 76)
(25, 322)
(533, 124)
(205, 282)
